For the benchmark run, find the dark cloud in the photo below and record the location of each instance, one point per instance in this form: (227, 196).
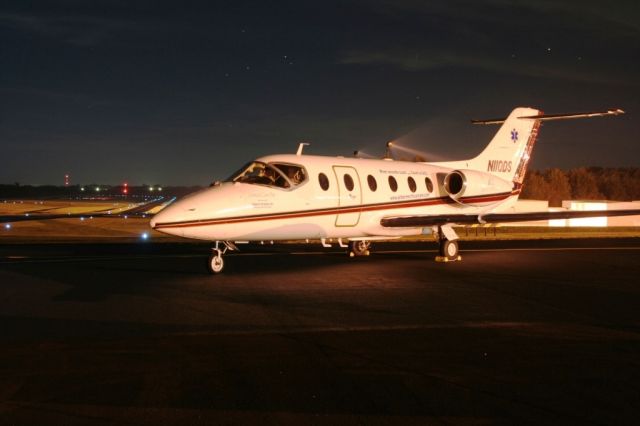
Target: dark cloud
(76, 30)
(184, 93)
(574, 68)
(537, 39)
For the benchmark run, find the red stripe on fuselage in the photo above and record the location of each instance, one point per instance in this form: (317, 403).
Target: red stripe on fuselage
(336, 210)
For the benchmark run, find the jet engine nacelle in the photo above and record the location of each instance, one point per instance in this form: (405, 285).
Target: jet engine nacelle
(459, 183)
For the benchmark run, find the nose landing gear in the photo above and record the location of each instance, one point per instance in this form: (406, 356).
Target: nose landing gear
(215, 265)
(216, 262)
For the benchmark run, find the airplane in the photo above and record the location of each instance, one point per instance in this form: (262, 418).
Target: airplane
(359, 200)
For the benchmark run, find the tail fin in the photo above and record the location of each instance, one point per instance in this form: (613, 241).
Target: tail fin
(508, 153)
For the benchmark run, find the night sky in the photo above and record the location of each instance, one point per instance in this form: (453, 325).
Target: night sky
(186, 92)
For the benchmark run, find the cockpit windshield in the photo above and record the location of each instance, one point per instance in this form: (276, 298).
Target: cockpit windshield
(295, 173)
(278, 175)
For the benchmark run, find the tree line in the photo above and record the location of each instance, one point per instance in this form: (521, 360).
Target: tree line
(583, 183)
(554, 185)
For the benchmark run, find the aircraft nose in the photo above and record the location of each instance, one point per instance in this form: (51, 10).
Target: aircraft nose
(167, 214)
(155, 220)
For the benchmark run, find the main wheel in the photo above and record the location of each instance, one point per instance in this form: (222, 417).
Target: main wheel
(449, 249)
(359, 248)
(216, 262)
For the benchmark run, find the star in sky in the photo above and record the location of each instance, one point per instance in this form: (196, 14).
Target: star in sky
(136, 90)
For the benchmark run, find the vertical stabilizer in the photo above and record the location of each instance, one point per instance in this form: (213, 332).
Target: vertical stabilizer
(508, 153)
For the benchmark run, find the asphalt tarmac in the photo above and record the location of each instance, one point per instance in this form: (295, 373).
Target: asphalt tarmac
(535, 332)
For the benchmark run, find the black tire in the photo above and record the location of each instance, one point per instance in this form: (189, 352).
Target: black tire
(359, 248)
(215, 265)
(449, 249)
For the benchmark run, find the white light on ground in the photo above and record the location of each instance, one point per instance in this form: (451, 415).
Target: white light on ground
(144, 236)
(7, 226)
(588, 206)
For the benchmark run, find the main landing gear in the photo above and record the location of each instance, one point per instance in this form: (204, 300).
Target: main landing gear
(448, 241)
(359, 248)
(215, 265)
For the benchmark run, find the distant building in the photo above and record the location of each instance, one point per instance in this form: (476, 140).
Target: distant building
(523, 206)
(602, 205)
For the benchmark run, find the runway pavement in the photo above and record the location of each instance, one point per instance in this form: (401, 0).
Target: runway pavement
(535, 332)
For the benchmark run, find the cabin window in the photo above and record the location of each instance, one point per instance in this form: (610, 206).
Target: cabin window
(373, 185)
(324, 181)
(348, 182)
(393, 183)
(259, 173)
(412, 184)
(429, 185)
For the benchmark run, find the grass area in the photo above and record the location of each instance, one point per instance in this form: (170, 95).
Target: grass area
(545, 232)
(131, 229)
(121, 230)
(77, 230)
(14, 207)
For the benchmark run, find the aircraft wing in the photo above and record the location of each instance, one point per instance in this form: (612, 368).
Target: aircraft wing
(472, 219)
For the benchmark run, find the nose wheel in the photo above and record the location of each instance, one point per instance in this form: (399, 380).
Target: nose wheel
(215, 265)
(216, 262)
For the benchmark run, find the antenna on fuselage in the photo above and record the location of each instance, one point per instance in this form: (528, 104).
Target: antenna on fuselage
(301, 147)
(387, 153)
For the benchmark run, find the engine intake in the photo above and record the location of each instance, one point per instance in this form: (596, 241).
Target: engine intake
(469, 183)
(455, 184)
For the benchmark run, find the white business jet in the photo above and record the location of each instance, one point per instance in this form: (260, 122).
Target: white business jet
(356, 200)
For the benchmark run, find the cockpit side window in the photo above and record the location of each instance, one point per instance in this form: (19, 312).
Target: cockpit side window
(295, 173)
(259, 173)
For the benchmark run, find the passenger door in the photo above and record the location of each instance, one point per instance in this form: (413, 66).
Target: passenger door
(349, 195)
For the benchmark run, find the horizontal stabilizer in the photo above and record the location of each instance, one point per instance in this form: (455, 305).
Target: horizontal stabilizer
(470, 219)
(550, 117)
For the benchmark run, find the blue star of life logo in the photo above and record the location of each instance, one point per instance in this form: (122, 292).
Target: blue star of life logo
(514, 135)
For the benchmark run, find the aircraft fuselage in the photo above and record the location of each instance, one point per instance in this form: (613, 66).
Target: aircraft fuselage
(339, 198)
